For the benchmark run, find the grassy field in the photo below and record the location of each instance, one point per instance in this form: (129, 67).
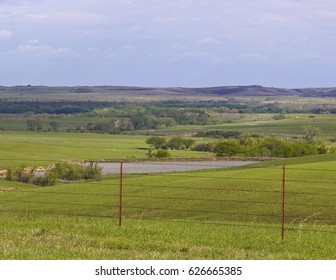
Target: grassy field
(216, 214)
(230, 213)
(263, 124)
(17, 148)
(87, 238)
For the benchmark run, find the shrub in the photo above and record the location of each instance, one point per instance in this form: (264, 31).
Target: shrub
(203, 147)
(47, 179)
(278, 117)
(158, 154)
(92, 171)
(227, 148)
(156, 141)
(73, 171)
(176, 143)
(68, 171)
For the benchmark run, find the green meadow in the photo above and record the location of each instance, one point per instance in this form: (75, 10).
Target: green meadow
(34, 149)
(263, 124)
(230, 213)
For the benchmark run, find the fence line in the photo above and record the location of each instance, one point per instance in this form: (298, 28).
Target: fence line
(151, 196)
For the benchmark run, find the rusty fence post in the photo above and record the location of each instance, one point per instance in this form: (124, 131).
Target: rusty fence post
(283, 203)
(120, 191)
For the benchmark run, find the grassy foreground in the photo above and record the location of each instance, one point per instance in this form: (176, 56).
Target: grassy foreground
(39, 237)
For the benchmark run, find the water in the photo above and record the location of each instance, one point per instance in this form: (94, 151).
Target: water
(152, 167)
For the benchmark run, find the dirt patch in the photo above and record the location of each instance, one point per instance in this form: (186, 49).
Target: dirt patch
(5, 188)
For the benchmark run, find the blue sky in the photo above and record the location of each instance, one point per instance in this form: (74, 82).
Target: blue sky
(187, 43)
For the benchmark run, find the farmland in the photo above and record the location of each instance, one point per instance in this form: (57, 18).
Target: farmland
(223, 213)
(168, 215)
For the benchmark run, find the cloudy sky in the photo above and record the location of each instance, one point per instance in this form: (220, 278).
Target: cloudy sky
(189, 43)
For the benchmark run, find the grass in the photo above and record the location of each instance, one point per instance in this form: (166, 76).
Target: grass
(215, 214)
(18, 148)
(263, 124)
(85, 238)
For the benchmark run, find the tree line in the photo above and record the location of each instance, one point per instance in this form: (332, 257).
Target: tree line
(244, 145)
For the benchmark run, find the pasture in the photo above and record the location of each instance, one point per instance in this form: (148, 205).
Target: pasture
(229, 213)
(29, 148)
(262, 124)
(212, 214)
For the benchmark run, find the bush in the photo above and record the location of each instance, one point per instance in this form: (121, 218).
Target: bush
(73, 171)
(227, 148)
(48, 179)
(158, 154)
(180, 143)
(156, 141)
(176, 143)
(203, 147)
(92, 171)
(62, 170)
(22, 175)
(278, 117)
(68, 171)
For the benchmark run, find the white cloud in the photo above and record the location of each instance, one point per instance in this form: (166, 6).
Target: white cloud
(208, 41)
(5, 34)
(33, 47)
(201, 32)
(204, 57)
(252, 57)
(129, 47)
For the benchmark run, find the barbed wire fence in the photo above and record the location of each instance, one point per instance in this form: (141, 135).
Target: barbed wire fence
(277, 200)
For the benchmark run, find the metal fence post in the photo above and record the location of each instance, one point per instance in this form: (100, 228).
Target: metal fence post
(120, 191)
(283, 203)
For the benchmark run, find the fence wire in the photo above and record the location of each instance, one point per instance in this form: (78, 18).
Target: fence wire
(243, 201)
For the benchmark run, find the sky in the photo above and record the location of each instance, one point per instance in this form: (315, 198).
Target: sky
(175, 43)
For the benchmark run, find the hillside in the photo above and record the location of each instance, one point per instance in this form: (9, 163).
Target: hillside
(117, 93)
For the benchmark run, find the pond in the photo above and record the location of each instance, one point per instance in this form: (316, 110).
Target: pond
(152, 167)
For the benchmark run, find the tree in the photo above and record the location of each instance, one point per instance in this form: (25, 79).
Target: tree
(34, 125)
(176, 143)
(227, 148)
(156, 141)
(276, 147)
(158, 154)
(310, 132)
(278, 117)
(54, 125)
(188, 143)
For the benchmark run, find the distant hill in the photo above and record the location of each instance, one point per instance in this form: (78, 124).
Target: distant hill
(117, 93)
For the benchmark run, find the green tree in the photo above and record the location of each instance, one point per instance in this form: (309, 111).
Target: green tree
(227, 148)
(176, 143)
(156, 141)
(310, 132)
(277, 147)
(34, 125)
(158, 154)
(54, 126)
(188, 143)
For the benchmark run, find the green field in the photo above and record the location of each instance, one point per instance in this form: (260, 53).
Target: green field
(262, 124)
(219, 214)
(232, 213)
(29, 148)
